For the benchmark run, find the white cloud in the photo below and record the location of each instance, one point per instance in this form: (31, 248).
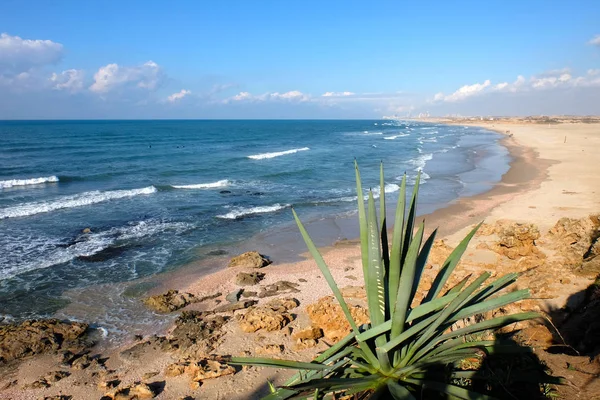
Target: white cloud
(112, 76)
(70, 80)
(464, 92)
(19, 55)
(178, 96)
(291, 96)
(595, 41)
(337, 94)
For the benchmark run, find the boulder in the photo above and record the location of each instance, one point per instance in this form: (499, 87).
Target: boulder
(248, 278)
(196, 333)
(250, 259)
(312, 332)
(577, 245)
(279, 287)
(270, 317)
(40, 336)
(240, 305)
(136, 391)
(518, 240)
(234, 296)
(208, 369)
(327, 314)
(271, 349)
(169, 301)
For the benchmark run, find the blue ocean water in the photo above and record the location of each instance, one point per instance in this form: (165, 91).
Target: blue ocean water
(157, 195)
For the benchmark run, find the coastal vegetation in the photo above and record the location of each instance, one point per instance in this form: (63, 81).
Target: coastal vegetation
(419, 340)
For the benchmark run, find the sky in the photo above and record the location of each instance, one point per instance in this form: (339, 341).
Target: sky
(297, 59)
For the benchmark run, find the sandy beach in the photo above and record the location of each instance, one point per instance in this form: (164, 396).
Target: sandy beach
(553, 175)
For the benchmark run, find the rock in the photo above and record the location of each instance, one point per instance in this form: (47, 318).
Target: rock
(105, 254)
(86, 231)
(249, 278)
(312, 332)
(279, 287)
(328, 315)
(302, 344)
(136, 391)
(197, 333)
(169, 301)
(234, 296)
(149, 375)
(39, 384)
(439, 253)
(271, 317)
(270, 349)
(240, 305)
(81, 362)
(577, 245)
(110, 384)
(251, 259)
(40, 336)
(302, 280)
(209, 297)
(175, 369)
(58, 397)
(208, 369)
(56, 376)
(247, 294)
(515, 241)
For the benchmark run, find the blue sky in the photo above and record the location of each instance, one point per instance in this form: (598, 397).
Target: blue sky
(297, 59)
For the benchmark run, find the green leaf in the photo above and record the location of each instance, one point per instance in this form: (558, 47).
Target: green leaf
(397, 242)
(398, 391)
(456, 391)
(412, 215)
(362, 222)
(272, 362)
(383, 218)
(422, 262)
(406, 282)
(449, 265)
(375, 285)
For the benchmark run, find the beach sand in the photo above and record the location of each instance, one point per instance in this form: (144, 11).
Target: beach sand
(553, 175)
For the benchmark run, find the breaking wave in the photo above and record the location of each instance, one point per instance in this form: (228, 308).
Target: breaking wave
(77, 200)
(276, 154)
(242, 212)
(26, 182)
(217, 184)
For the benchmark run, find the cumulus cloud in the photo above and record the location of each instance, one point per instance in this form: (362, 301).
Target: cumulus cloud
(113, 76)
(178, 96)
(464, 92)
(595, 41)
(70, 80)
(19, 55)
(337, 94)
(554, 79)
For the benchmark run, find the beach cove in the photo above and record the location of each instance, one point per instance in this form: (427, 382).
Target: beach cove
(551, 176)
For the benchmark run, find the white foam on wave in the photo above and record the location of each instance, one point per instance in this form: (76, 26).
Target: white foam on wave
(27, 182)
(388, 188)
(217, 184)
(43, 253)
(241, 212)
(372, 133)
(396, 136)
(77, 200)
(276, 154)
(421, 161)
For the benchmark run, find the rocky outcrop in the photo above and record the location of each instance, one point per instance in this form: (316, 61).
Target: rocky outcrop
(271, 317)
(251, 259)
(199, 370)
(136, 391)
(239, 305)
(248, 278)
(328, 315)
(279, 287)
(40, 336)
(169, 301)
(517, 240)
(577, 244)
(47, 380)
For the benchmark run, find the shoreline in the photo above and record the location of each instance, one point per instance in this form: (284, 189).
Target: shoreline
(526, 172)
(548, 195)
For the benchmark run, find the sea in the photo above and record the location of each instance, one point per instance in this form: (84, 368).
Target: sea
(94, 213)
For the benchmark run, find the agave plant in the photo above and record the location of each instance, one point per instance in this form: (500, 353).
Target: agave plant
(407, 347)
